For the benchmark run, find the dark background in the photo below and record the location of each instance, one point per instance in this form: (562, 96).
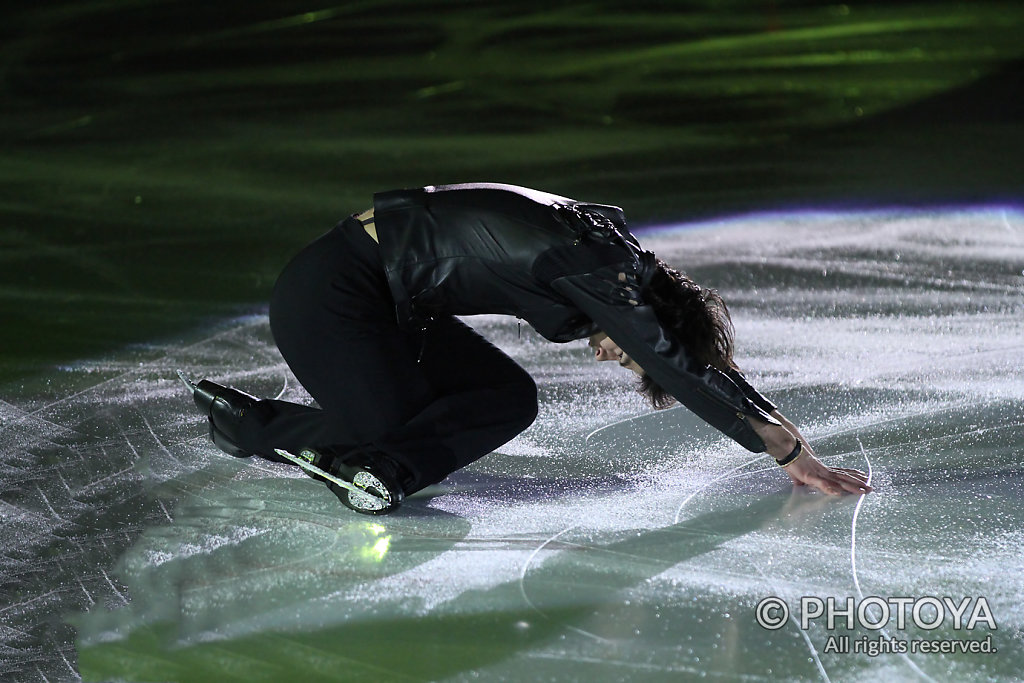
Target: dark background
(161, 161)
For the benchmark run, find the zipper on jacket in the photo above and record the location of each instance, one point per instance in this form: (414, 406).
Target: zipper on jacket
(423, 338)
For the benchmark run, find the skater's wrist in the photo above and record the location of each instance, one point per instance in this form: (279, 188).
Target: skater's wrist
(791, 457)
(779, 442)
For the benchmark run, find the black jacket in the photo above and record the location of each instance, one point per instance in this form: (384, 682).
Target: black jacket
(568, 268)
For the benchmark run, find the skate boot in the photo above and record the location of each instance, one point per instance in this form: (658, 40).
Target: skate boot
(224, 407)
(366, 481)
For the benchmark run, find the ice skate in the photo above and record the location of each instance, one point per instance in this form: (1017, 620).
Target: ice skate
(368, 484)
(224, 407)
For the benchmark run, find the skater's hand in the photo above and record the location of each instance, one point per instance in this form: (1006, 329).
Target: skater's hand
(807, 470)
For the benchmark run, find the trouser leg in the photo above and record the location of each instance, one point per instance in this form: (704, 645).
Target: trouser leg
(433, 401)
(461, 401)
(481, 400)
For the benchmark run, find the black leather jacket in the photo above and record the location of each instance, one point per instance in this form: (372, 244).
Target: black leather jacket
(568, 268)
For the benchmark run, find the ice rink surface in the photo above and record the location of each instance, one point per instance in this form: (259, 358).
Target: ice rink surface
(605, 543)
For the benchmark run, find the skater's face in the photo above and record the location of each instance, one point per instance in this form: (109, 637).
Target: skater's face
(605, 349)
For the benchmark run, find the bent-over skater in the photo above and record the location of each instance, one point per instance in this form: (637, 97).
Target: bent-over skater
(407, 394)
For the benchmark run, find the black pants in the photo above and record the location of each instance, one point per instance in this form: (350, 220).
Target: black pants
(434, 400)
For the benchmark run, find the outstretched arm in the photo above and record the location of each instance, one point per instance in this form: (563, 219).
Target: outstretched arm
(807, 469)
(609, 295)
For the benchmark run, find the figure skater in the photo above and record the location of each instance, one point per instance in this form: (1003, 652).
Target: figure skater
(407, 394)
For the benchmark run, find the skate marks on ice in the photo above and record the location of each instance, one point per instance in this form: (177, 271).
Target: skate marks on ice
(941, 414)
(905, 541)
(640, 552)
(90, 457)
(604, 582)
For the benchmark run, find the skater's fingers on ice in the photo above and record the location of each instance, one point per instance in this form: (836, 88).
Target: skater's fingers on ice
(850, 483)
(851, 471)
(816, 479)
(831, 480)
(856, 474)
(823, 479)
(827, 486)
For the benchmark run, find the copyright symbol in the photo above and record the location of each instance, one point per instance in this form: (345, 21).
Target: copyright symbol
(772, 613)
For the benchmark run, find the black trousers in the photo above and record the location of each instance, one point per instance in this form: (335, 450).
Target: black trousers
(434, 400)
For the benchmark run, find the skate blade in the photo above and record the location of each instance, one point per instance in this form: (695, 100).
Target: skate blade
(189, 384)
(326, 475)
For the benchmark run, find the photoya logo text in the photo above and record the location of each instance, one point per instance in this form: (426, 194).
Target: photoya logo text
(874, 613)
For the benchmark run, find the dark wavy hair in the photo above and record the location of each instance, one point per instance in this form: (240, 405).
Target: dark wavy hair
(696, 316)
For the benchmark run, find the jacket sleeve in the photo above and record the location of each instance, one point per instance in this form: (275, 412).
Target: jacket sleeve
(610, 296)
